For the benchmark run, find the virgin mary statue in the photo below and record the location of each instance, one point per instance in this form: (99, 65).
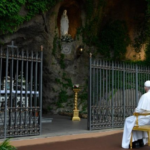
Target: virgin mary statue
(64, 23)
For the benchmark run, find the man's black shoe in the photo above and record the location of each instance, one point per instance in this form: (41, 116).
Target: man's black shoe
(141, 142)
(135, 144)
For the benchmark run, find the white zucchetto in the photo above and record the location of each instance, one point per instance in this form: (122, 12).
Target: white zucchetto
(147, 83)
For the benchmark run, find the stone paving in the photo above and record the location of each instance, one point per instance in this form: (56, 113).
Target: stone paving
(45, 140)
(64, 134)
(98, 141)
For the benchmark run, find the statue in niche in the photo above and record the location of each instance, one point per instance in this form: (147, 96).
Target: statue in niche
(64, 24)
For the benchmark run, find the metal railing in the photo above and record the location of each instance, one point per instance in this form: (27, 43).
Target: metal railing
(20, 92)
(114, 91)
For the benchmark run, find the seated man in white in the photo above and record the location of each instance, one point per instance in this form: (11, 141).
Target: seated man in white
(139, 137)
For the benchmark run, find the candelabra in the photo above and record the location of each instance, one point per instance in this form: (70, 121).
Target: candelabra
(76, 111)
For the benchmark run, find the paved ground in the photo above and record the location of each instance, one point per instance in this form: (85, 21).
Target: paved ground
(63, 125)
(46, 140)
(108, 142)
(63, 134)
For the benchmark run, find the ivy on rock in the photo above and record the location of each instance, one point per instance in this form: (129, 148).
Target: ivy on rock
(10, 14)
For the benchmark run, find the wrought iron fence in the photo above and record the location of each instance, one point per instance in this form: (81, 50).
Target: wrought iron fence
(20, 92)
(114, 91)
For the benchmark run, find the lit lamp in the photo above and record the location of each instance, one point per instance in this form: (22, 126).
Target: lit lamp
(76, 111)
(80, 50)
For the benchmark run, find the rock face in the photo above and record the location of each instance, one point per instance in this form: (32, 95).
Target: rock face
(60, 71)
(133, 13)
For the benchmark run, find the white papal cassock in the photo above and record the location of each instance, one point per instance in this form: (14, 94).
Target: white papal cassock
(143, 106)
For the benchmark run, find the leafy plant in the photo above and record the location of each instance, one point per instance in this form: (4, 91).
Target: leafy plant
(67, 83)
(62, 97)
(10, 12)
(62, 64)
(6, 145)
(114, 40)
(93, 20)
(54, 45)
(147, 30)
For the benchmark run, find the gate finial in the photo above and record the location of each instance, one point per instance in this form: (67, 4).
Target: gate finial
(12, 43)
(41, 47)
(90, 54)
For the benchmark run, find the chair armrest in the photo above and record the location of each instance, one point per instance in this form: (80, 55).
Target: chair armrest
(141, 114)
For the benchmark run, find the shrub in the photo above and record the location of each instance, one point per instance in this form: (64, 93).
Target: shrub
(6, 145)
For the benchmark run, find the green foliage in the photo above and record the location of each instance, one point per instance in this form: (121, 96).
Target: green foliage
(62, 98)
(148, 33)
(68, 81)
(93, 19)
(9, 14)
(54, 45)
(65, 83)
(49, 108)
(10, 9)
(83, 97)
(62, 64)
(7, 146)
(114, 40)
(148, 53)
(110, 40)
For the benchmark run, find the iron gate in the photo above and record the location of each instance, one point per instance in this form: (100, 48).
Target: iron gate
(20, 92)
(114, 91)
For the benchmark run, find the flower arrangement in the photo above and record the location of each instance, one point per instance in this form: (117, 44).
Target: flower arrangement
(76, 86)
(67, 38)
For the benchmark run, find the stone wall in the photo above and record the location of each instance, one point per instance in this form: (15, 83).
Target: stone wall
(59, 71)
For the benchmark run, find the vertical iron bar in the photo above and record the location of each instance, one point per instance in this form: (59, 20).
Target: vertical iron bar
(121, 95)
(107, 88)
(0, 74)
(11, 90)
(118, 91)
(136, 84)
(100, 90)
(1, 83)
(106, 82)
(31, 80)
(124, 91)
(132, 80)
(112, 105)
(16, 99)
(93, 99)
(26, 96)
(41, 66)
(6, 73)
(21, 91)
(35, 90)
(100, 83)
(97, 102)
(145, 75)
